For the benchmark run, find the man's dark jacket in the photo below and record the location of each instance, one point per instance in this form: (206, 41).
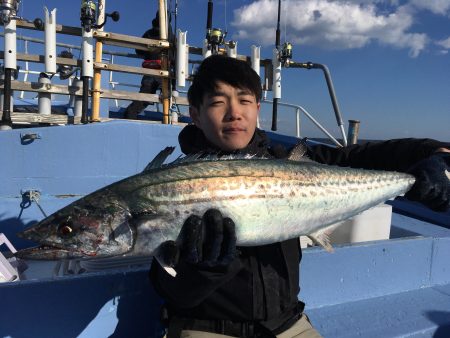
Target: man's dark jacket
(262, 283)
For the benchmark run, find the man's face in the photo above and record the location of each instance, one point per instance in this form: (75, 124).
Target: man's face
(227, 116)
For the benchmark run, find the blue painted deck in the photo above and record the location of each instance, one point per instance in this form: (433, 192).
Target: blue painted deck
(395, 288)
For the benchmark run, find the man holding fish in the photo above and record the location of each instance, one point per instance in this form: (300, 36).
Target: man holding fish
(227, 223)
(251, 291)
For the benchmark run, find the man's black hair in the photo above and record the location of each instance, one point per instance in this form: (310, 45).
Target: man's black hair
(234, 72)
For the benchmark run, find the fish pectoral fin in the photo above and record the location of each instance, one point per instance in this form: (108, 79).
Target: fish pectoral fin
(323, 241)
(322, 237)
(299, 152)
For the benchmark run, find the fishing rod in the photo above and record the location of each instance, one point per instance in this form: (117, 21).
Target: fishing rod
(276, 72)
(214, 36)
(88, 18)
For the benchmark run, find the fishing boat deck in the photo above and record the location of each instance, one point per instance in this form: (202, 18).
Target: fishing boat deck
(389, 288)
(394, 288)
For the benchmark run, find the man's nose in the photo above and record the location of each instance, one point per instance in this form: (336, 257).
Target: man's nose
(234, 111)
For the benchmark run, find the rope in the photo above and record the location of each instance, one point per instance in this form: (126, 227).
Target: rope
(34, 196)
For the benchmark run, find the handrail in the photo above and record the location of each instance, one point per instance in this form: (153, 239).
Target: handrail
(313, 120)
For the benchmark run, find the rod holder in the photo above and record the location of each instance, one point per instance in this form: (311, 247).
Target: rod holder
(256, 58)
(50, 41)
(181, 58)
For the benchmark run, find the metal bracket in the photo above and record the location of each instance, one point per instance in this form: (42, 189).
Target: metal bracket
(29, 137)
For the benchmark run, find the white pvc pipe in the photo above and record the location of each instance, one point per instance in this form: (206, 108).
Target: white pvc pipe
(78, 103)
(181, 58)
(101, 13)
(88, 54)
(162, 20)
(256, 58)
(276, 84)
(205, 51)
(10, 45)
(45, 99)
(50, 41)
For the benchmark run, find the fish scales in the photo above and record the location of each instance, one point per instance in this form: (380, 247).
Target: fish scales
(255, 193)
(269, 200)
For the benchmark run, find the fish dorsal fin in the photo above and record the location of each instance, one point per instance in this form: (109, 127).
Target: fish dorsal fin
(206, 156)
(159, 159)
(298, 153)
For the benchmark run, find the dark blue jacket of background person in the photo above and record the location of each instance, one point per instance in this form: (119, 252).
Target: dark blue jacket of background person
(152, 60)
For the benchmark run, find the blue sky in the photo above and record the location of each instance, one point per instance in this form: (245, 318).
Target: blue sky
(389, 59)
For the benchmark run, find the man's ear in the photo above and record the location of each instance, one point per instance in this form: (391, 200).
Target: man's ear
(194, 113)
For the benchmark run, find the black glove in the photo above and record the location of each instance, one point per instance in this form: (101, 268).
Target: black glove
(206, 242)
(432, 186)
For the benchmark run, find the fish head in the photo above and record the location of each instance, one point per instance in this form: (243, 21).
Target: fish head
(82, 229)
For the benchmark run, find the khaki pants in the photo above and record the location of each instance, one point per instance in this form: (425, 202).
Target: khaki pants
(301, 329)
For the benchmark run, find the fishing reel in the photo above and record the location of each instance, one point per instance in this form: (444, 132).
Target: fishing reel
(8, 10)
(285, 54)
(66, 71)
(88, 15)
(215, 38)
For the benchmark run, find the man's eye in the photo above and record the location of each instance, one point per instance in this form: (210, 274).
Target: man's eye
(216, 103)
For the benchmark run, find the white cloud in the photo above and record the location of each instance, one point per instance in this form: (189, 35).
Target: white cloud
(444, 43)
(436, 6)
(336, 24)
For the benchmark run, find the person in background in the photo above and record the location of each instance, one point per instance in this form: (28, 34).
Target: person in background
(226, 291)
(152, 60)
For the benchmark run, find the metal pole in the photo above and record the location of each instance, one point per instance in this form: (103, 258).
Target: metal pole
(353, 131)
(44, 99)
(95, 116)
(10, 65)
(297, 120)
(87, 18)
(326, 72)
(164, 61)
(6, 122)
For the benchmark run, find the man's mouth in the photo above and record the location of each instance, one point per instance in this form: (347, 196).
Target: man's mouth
(233, 130)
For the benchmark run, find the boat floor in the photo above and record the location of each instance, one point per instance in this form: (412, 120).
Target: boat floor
(424, 312)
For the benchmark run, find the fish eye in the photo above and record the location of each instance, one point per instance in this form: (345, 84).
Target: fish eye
(66, 228)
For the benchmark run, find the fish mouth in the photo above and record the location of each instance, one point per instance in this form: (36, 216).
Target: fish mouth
(52, 252)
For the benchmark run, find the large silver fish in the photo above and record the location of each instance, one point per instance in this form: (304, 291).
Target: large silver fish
(270, 200)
